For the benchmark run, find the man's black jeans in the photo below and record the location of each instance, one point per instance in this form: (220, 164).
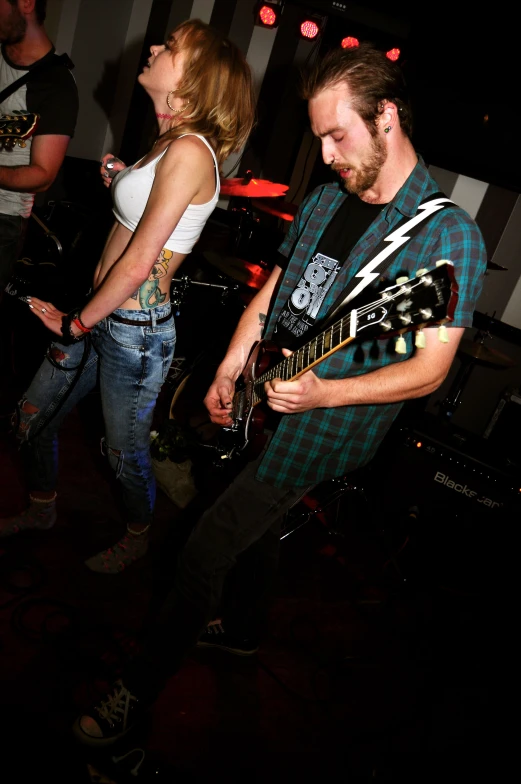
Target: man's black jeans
(243, 513)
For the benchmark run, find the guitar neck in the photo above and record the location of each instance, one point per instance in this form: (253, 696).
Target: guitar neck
(310, 354)
(429, 298)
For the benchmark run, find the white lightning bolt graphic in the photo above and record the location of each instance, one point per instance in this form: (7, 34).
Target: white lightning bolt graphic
(396, 239)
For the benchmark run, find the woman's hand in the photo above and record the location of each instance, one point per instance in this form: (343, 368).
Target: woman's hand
(48, 314)
(115, 166)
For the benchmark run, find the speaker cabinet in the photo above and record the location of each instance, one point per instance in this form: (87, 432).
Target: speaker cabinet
(466, 497)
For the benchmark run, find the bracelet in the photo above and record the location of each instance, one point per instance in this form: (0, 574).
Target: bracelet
(68, 336)
(79, 323)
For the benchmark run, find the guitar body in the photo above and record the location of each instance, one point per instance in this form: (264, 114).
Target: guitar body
(251, 419)
(428, 299)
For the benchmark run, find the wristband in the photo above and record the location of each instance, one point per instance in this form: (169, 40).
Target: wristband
(68, 336)
(79, 323)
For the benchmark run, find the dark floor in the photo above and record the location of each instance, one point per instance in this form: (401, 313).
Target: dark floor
(379, 664)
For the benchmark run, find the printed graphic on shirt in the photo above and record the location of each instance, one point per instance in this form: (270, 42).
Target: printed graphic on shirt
(302, 308)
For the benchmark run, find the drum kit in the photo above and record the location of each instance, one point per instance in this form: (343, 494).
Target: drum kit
(471, 353)
(221, 276)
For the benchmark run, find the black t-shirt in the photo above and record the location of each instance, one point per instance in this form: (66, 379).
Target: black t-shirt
(53, 95)
(301, 310)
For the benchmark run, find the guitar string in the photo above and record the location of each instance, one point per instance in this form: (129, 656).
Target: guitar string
(337, 326)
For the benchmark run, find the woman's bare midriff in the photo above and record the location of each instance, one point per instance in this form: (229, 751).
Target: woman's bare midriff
(156, 289)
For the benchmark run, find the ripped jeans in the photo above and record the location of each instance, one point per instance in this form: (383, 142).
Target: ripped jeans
(131, 363)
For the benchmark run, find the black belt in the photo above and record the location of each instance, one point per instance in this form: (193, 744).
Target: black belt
(136, 323)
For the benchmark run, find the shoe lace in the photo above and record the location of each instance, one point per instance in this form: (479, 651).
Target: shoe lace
(119, 548)
(115, 709)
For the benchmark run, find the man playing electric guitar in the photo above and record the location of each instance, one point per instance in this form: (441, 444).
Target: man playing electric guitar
(333, 417)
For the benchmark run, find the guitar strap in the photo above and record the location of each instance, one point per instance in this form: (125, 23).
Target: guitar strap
(386, 250)
(62, 59)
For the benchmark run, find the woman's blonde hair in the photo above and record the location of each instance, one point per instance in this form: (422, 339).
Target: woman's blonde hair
(219, 86)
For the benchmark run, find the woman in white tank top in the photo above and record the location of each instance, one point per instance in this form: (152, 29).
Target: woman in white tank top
(202, 91)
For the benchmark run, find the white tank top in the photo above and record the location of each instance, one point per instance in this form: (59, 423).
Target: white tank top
(130, 192)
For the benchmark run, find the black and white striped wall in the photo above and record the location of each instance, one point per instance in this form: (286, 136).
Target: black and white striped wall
(108, 40)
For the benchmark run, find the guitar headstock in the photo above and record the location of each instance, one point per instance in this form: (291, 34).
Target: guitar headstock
(429, 298)
(16, 128)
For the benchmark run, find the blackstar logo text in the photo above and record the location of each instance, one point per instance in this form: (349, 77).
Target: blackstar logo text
(444, 479)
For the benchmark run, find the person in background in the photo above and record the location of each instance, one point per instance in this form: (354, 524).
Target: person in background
(49, 92)
(124, 336)
(332, 419)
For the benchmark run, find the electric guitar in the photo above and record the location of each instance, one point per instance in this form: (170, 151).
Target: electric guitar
(16, 128)
(428, 299)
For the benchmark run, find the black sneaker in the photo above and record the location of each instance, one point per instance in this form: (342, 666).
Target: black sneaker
(110, 719)
(215, 636)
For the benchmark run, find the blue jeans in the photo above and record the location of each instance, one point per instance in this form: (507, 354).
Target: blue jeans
(131, 363)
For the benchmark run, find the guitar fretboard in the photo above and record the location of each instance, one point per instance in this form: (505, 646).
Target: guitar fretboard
(305, 357)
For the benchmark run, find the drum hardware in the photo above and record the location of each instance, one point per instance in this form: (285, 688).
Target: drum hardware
(251, 187)
(242, 190)
(252, 275)
(285, 210)
(471, 352)
(493, 266)
(478, 350)
(178, 296)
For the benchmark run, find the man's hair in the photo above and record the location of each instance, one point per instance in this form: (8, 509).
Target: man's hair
(219, 85)
(40, 9)
(370, 77)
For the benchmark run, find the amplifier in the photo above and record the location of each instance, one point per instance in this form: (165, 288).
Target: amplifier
(441, 467)
(466, 501)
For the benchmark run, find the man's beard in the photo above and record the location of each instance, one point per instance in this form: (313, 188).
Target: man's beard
(15, 29)
(365, 177)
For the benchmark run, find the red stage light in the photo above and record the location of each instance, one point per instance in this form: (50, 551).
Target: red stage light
(309, 29)
(350, 42)
(267, 14)
(393, 54)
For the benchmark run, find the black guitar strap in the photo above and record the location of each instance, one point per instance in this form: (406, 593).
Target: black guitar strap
(62, 59)
(386, 250)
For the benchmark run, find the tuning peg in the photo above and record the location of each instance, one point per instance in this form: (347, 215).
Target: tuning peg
(443, 335)
(419, 340)
(401, 280)
(443, 261)
(400, 346)
(421, 272)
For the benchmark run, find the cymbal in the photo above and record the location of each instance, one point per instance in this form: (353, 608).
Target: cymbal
(485, 354)
(252, 275)
(281, 209)
(493, 266)
(254, 188)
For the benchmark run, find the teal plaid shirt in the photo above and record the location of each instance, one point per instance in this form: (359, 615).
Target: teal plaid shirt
(324, 443)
